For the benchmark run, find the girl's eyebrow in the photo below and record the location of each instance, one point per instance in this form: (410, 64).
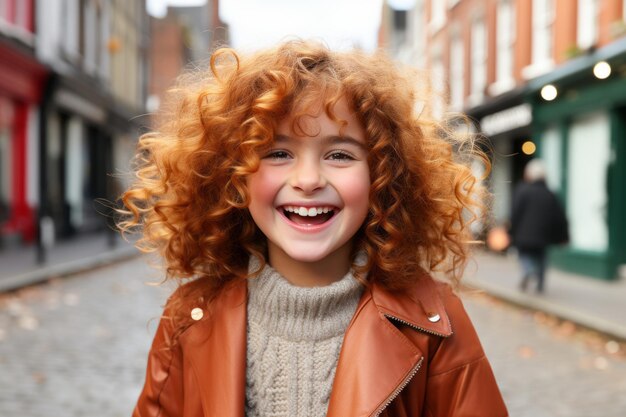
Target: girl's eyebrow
(332, 139)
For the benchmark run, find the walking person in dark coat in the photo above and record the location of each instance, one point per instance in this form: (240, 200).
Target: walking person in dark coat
(537, 221)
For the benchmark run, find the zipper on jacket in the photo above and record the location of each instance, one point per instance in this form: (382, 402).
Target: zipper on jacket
(421, 329)
(411, 374)
(399, 389)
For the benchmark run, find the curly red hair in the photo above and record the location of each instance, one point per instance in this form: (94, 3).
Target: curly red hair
(190, 196)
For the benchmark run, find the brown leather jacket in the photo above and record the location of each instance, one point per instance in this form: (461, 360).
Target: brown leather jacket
(413, 353)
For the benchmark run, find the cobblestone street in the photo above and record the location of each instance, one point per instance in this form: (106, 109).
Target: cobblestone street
(547, 368)
(77, 347)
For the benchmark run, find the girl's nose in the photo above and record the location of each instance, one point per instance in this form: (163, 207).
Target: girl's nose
(307, 176)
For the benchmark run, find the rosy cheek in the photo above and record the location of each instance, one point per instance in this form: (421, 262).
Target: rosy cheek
(356, 192)
(356, 188)
(262, 185)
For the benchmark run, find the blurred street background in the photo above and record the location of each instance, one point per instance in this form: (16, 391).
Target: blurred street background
(81, 79)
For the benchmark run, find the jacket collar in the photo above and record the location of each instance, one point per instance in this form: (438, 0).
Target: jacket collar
(373, 349)
(420, 306)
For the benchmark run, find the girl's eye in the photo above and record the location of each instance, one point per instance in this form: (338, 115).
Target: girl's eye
(340, 156)
(277, 155)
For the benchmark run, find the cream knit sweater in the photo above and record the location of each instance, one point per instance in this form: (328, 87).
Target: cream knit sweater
(294, 339)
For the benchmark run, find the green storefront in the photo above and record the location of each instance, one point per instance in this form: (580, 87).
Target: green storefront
(581, 135)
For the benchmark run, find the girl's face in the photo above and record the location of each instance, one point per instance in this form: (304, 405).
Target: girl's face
(310, 194)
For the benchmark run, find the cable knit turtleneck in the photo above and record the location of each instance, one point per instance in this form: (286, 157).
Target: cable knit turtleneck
(294, 339)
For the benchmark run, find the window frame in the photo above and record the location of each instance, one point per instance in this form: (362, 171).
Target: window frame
(478, 60)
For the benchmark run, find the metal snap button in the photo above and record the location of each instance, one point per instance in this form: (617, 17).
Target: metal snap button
(197, 313)
(433, 317)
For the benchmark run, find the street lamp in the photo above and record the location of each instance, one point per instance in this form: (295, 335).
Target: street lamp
(529, 147)
(602, 70)
(549, 92)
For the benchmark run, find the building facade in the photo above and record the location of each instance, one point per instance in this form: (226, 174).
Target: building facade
(22, 84)
(182, 39)
(539, 78)
(73, 83)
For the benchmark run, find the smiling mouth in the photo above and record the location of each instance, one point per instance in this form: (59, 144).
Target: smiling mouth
(309, 216)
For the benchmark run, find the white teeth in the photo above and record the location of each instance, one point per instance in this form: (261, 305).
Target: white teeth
(307, 212)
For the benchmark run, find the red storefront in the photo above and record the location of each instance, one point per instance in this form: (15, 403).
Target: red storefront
(22, 80)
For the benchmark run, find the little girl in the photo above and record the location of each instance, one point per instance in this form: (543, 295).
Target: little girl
(301, 202)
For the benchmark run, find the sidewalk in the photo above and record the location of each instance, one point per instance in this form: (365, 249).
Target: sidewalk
(18, 267)
(596, 304)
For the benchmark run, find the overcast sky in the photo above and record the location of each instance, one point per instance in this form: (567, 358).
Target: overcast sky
(258, 23)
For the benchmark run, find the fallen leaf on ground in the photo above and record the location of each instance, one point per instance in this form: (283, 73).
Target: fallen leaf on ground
(566, 329)
(39, 377)
(585, 363)
(71, 299)
(612, 347)
(28, 322)
(526, 352)
(601, 363)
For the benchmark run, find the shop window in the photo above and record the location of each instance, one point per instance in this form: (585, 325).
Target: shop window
(587, 33)
(6, 151)
(74, 171)
(84, 28)
(22, 14)
(501, 179)
(437, 14)
(93, 32)
(457, 76)
(4, 10)
(90, 28)
(399, 20)
(70, 24)
(103, 19)
(543, 21)
(55, 174)
(438, 83)
(588, 156)
(17, 13)
(5, 176)
(505, 42)
(551, 154)
(478, 74)
(419, 35)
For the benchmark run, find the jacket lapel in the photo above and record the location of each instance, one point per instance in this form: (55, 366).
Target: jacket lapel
(420, 306)
(216, 350)
(376, 359)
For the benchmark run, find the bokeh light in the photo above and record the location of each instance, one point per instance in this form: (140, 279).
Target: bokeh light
(602, 70)
(549, 92)
(529, 147)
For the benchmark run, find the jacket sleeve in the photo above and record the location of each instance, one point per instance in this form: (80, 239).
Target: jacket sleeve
(162, 394)
(460, 381)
